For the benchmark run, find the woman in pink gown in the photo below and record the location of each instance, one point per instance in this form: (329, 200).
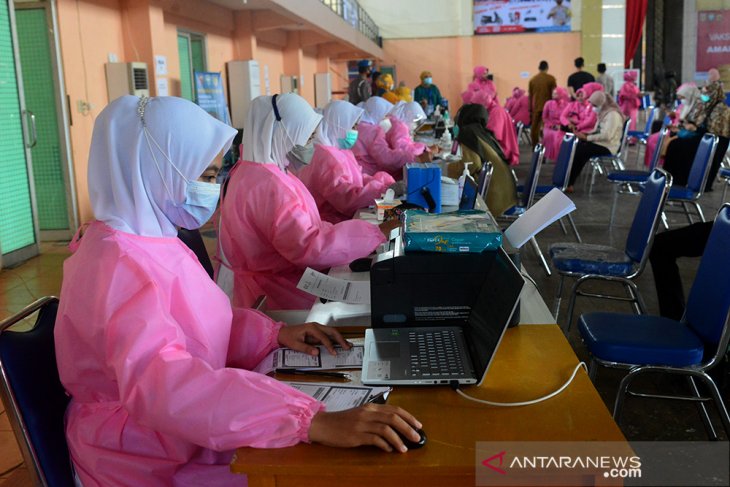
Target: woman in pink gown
(629, 98)
(552, 134)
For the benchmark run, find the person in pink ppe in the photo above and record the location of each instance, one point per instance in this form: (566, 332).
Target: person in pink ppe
(481, 80)
(552, 134)
(155, 360)
(689, 96)
(270, 227)
(520, 107)
(405, 119)
(334, 178)
(578, 115)
(372, 150)
(629, 98)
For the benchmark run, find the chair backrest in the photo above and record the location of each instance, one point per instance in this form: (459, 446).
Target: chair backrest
(34, 397)
(564, 162)
(658, 149)
(649, 120)
(647, 216)
(485, 177)
(646, 102)
(194, 241)
(701, 164)
(528, 193)
(624, 139)
(708, 303)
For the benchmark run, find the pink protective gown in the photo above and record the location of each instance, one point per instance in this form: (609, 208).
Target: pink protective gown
(653, 139)
(500, 123)
(271, 231)
(521, 107)
(399, 138)
(374, 154)
(551, 133)
(629, 98)
(338, 185)
(581, 114)
(148, 347)
(148, 359)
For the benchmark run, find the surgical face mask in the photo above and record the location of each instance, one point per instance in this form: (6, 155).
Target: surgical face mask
(427, 81)
(705, 98)
(349, 140)
(385, 124)
(595, 109)
(201, 199)
(301, 154)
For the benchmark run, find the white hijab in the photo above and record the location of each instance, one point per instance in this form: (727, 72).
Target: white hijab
(339, 117)
(267, 140)
(376, 108)
(127, 190)
(409, 112)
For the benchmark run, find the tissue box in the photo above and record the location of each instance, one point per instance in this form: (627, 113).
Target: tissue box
(382, 205)
(463, 231)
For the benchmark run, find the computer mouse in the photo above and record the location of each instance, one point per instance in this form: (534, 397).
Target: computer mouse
(361, 265)
(414, 445)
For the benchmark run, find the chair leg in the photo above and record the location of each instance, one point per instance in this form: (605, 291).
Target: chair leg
(613, 207)
(558, 297)
(702, 409)
(621, 394)
(562, 227)
(724, 190)
(571, 304)
(699, 210)
(722, 409)
(687, 212)
(592, 370)
(665, 222)
(575, 229)
(540, 255)
(638, 304)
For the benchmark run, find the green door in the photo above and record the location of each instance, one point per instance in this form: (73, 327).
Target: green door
(186, 71)
(18, 239)
(40, 100)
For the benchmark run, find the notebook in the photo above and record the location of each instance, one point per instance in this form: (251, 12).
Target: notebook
(426, 355)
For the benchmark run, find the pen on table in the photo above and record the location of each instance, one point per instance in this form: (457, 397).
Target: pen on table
(339, 375)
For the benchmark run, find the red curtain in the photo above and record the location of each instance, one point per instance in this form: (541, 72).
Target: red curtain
(635, 15)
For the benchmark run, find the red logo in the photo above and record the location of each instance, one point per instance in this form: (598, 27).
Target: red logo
(487, 463)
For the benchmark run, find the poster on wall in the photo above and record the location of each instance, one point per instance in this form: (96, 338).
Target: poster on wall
(514, 16)
(713, 41)
(209, 95)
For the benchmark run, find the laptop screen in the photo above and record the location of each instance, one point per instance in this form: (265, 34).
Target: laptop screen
(492, 311)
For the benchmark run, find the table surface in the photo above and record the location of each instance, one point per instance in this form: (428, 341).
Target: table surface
(531, 361)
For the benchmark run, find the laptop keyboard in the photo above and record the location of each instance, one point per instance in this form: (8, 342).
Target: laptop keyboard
(435, 354)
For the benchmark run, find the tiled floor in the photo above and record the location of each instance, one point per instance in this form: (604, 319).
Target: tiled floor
(643, 419)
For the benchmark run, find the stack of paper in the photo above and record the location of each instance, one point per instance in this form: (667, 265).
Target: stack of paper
(553, 206)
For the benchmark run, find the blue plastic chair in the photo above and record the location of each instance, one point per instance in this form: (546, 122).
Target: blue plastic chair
(527, 198)
(625, 178)
(561, 176)
(646, 102)
(725, 174)
(33, 395)
(587, 262)
(616, 161)
(692, 192)
(690, 347)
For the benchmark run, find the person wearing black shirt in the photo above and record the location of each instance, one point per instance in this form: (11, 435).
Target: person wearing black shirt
(579, 78)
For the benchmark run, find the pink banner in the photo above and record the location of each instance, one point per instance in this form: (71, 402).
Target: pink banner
(713, 39)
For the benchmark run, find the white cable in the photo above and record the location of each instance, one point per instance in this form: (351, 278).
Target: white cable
(527, 403)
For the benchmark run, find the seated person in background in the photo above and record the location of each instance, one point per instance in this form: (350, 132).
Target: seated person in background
(668, 246)
(372, 150)
(403, 92)
(479, 145)
(578, 115)
(520, 107)
(155, 360)
(688, 97)
(334, 178)
(552, 135)
(716, 119)
(604, 141)
(427, 93)
(683, 140)
(270, 229)
(385, 88)
(405, 119)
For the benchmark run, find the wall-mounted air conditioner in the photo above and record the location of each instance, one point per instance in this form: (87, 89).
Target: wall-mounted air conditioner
(126, 79)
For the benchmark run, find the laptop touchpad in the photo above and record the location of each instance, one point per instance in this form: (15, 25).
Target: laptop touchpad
(388, 349)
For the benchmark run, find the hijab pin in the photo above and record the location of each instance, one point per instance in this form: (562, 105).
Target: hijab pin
(143, 100)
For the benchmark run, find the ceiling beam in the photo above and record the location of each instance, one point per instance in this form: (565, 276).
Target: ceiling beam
(308, 38)
(264, 20)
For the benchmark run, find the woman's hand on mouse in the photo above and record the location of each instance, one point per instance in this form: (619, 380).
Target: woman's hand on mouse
(371, 424)
(302, 338)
